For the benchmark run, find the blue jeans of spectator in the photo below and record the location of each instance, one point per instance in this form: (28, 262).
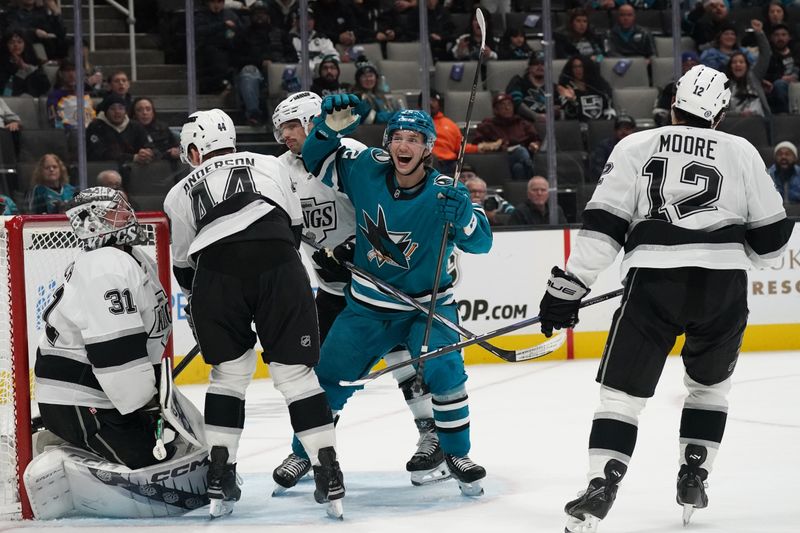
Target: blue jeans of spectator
(521, 163)
(250, 83)
(779, 97)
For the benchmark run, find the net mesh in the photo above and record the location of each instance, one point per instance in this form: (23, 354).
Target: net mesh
(48, 247)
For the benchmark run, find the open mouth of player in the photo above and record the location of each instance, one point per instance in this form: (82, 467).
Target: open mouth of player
(405, 160)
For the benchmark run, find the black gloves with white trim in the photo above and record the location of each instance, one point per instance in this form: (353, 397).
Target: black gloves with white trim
(561, 302)
(331, 262)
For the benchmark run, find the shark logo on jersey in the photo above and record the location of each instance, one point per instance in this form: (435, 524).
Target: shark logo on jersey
(392, 247)
(319, 218)
(381, 156)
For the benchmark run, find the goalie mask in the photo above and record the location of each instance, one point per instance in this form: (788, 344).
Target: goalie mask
(101, 216)
(302, 106)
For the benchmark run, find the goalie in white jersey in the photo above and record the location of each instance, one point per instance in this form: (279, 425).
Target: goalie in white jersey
(235, 231)
(98, 372)
(692, 209)
(329, 216)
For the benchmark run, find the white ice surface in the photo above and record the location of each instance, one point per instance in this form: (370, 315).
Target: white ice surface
(530, 426)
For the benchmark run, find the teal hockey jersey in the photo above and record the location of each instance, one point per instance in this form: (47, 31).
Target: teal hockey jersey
(398, 231)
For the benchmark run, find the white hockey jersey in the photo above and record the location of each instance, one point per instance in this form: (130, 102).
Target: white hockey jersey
(680, 196)
(328, 213)
(222, 197)
(106, 328)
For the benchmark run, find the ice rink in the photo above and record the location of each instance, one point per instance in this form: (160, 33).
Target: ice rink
(530, 426)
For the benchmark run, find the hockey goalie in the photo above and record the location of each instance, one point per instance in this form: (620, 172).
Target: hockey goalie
(119, 439)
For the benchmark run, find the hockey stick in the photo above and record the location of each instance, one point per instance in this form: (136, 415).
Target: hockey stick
(512, 356)
(185, 361)
(459, 164)
(469, 342)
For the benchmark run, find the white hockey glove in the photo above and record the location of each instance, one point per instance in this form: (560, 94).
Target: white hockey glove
(561, 302)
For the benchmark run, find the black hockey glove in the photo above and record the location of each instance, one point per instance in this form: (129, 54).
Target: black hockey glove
(561, 302)
(331, 262)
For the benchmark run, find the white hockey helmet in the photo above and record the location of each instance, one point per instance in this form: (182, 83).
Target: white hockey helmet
(302, 106)
(208, 131)
(704, 93)
(101, 216)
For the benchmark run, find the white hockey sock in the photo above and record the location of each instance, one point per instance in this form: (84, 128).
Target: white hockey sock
(614, 429)
(705, 412)
(419, 402)
(309, 412)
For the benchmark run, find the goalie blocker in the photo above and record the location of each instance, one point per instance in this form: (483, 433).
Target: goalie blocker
(68, 481)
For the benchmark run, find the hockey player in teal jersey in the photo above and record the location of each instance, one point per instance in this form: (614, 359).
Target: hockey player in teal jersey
(400, 205)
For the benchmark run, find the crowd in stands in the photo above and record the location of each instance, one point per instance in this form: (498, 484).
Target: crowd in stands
(605, 51)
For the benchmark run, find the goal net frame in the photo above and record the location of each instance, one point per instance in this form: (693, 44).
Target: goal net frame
(19, 236)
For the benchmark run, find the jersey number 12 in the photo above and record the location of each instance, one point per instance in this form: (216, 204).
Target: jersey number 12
(694, 173)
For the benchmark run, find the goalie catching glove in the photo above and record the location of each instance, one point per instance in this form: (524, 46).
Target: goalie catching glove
(331, 262)
(338, 118)
(455, 206)
(561, 302)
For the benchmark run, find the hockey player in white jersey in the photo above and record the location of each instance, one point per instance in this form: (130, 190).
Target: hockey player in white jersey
(235, 231)
(98, 370)
(693, 209)
(98, 363)
(329, 216)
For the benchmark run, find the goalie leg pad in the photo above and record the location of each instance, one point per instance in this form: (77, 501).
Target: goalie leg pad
(309, 411)
(224, 406)
(67, 481)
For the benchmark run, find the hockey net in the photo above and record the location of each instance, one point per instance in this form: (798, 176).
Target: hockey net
(34, 253)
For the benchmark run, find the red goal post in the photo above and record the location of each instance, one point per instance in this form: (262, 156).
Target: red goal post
(34, 252)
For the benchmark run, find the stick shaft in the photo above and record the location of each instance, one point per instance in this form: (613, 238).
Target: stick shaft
(486, 336)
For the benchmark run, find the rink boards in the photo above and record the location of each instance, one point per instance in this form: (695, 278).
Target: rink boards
(505, 286)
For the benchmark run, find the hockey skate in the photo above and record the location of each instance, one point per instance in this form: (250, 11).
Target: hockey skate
(289, 472)
(330, 483)
(223, 483)
(692, 482)
(591, 506)
(467, 474)
(427, 463)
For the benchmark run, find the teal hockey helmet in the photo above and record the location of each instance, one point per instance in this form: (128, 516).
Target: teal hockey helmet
(414, 120)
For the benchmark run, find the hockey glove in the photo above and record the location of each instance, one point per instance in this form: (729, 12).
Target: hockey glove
(331, 262)
(455, 206)
(337, 116)
(561, 302)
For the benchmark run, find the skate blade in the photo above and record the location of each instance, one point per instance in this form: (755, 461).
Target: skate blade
(471, 490)
(335, 509)
(588, 524)
(278, 490)
(220, 507)
(429, 477)
(688, 511)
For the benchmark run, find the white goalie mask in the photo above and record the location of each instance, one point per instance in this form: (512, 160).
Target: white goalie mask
(704, 93)
(101, 216)
(208, 131)
(302, 106)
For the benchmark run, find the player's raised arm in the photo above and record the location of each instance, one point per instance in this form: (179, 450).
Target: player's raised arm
(338, 118)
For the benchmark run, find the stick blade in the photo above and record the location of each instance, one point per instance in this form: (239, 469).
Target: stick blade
(540, 350)
(482, 24)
